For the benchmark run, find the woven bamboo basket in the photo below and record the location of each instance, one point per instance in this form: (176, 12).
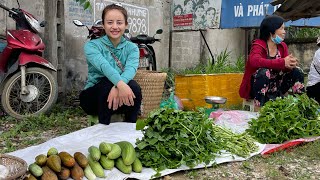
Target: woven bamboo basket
(152, 86)
(17, 167)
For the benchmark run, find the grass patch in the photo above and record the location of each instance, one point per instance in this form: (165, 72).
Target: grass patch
(33, 130)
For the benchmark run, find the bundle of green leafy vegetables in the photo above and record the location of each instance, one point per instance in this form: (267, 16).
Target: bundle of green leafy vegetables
(173, 138)
(286, 119)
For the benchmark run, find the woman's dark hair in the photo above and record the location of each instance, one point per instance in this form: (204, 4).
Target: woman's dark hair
(269, 25)
(117, 7)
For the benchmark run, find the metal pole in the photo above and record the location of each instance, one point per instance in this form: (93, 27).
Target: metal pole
(170, 39)
(205, 41)
(170, 49)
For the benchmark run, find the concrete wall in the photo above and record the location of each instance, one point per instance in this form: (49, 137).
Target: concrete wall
(35, 7)
(231, 39)
(304, 52)
(189, 48)
(3, 20)
(186, 49)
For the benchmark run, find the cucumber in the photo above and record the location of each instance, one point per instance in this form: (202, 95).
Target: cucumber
(137, 166)
(96, 167)
(52, 151)
(122, 167)
(94, 153)
(35, 170)
(105, 148)
(115, 151)
(89, 173)
(106, 163)
(128, 152)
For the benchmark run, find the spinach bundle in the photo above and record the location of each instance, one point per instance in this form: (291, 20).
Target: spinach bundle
(173, 138)
(286, 119)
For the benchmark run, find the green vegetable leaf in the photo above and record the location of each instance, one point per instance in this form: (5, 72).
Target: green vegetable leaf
(140, 124)
(286, 119)
(173, 138)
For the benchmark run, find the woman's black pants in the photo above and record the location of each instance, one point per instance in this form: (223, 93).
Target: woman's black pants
(314, 92)
(94, 102)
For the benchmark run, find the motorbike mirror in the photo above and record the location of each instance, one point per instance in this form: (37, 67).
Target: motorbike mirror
(98, 22)
(43, 23)
(159, 31)
(78, 23)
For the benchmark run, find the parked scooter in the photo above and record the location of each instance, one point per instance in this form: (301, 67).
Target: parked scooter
(147, 54)
(27, 84)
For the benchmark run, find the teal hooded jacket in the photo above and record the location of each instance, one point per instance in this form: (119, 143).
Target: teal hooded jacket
(102, 64)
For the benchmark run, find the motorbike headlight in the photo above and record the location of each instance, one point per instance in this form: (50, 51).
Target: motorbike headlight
(35, 25)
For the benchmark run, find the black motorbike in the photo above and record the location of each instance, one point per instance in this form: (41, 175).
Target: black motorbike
(147, 54)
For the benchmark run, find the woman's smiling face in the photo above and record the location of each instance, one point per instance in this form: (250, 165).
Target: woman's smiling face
(114, 25)
(281, 32)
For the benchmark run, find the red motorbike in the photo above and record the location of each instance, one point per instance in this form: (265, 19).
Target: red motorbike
(28, 86)
(147, 54)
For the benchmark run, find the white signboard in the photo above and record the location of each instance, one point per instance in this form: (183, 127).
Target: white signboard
(138, 17)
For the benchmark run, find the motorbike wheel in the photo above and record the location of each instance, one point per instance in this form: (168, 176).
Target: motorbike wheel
(43, 93)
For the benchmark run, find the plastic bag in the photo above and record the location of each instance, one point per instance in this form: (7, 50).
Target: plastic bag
(172, 102)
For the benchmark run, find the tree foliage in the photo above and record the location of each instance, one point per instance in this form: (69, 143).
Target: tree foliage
(303, 32)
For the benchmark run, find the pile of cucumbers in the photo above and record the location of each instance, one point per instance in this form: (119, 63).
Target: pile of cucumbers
(121, 155)
(61, 165)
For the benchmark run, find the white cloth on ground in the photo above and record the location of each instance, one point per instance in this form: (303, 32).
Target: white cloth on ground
(81, 140)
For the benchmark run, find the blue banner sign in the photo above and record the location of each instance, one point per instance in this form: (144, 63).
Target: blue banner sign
(250, 13)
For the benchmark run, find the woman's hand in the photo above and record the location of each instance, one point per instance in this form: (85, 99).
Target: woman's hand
(126, 95)
(290, 62)
(113, 99)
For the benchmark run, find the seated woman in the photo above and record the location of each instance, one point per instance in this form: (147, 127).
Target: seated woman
(313, 85)
(112, 64)
(270, 70)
